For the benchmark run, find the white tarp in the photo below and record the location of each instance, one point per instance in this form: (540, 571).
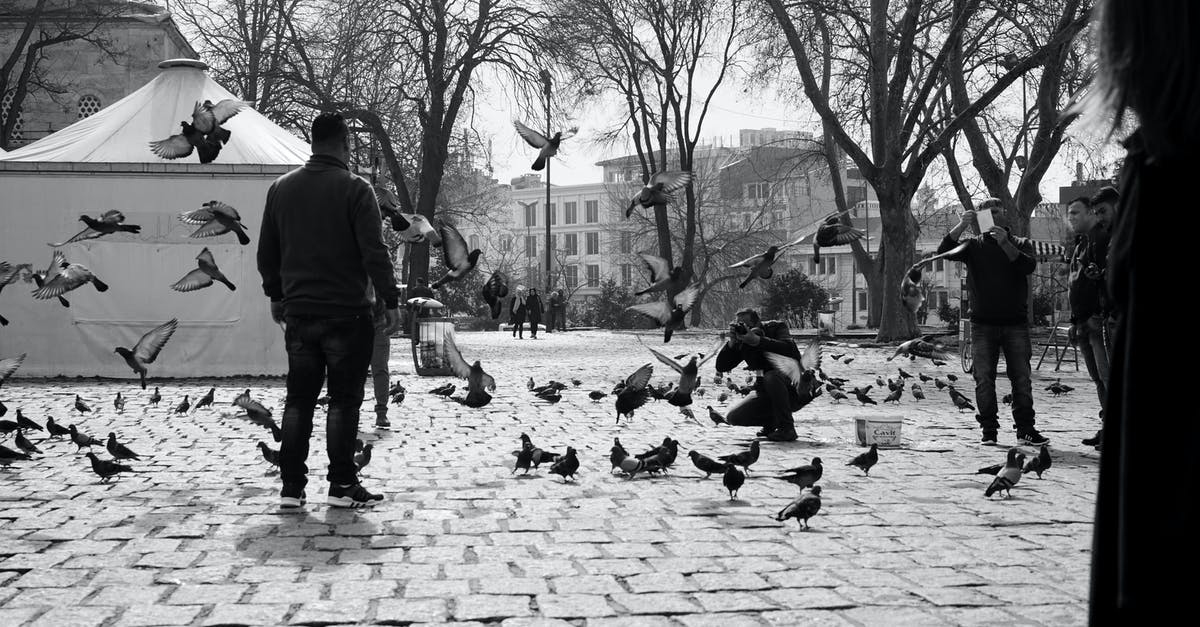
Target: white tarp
(122, 132)
(221, 332)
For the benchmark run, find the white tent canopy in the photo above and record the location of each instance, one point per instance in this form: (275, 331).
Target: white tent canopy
(103, 162)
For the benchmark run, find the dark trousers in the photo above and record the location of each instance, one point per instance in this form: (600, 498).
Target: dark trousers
(533, 325)
(556, 320)
(988, 342)
(518, 322)
(1089, 337)
(770, 404)
(318, 348)
(380, 376)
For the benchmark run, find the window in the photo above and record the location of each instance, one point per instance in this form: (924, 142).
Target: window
(530, 214)
(746, 218)
(570, 215)
(531, 246)
(626, 274)
(571, 274)
(626, 243)
(756, 191)
(506, 244)
(939, 265)
(474, 245)
(593, 243)
(19, 125)
(571, 243)
(591, 210)
(861, 296)
(778, 219)
(88, 106)
(593, 276)
(553, 215)
(828, 264)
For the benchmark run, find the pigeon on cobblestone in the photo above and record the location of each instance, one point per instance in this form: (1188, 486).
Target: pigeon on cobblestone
(8, 427)
(596, 395)
(535, 455)
(25, 423)
(802, 508)
(707, 465)
(837, 395)
(1058, 388)
(148, 348)
(398, 393)
(1007, 399)
(715, 417)
(953, 379)
(1038, 464)
(257, 413)
(81, 406)
(119, 402)
(184, 406)
(54, 429)
(107, 469)
(941, 385)
(9, 456)
(804, 476)
(917, 392)
(1008, 476)
(960, 401)
(865, 461)
(617, 454)
(862, 396)
(207, 399)
(688, 376)
(118, 450)
(25, 445)
(894, 397)
(82, 439)
(745, 459)
(3, 408)
(633, 393)
(733, 480)
(443, 390)
(567, 465)
(269, 454)
(363, 457)
(903, 374)
(155, 398)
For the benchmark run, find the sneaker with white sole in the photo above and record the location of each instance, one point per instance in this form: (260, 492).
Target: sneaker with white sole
(292, 497)
(1032, 438)
(989, 437)
(353, 496)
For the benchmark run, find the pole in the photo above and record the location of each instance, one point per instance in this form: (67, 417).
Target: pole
(549, 133)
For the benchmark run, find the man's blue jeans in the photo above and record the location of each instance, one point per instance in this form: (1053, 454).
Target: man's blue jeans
(988, 341)
(337, 348)
(1089, 337)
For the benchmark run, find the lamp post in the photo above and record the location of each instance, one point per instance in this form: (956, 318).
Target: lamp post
(546, 91)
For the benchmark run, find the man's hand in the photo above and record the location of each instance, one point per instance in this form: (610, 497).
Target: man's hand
(391, 319)
(998, 233)
(965, 220)
(277, 311)
(1093, 271)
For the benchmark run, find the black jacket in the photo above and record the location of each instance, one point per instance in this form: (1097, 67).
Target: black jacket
(321, 238)
(999, 286)
(776, 338)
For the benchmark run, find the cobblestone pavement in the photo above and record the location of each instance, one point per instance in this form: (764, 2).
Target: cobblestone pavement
(195, 537)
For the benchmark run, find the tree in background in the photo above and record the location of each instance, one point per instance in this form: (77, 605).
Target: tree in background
(795, 299)
(609, 310)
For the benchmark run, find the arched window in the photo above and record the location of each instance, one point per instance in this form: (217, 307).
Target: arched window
(88, 106)
(5, 105)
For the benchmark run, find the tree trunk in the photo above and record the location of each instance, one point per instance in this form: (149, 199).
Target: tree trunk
(895, 257)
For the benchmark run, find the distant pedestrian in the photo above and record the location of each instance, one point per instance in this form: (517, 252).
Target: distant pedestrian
(553, 307)
(1146, 515)
(516, 314)
(321, 239)
(533, 306)
(1085, 293)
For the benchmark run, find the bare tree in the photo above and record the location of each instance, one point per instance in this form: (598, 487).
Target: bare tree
(40, 26)
(889, 68)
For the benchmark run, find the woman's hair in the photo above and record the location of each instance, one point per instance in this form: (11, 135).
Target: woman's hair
(1150, 64)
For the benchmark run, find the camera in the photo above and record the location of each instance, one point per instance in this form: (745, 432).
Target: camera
(739, 328)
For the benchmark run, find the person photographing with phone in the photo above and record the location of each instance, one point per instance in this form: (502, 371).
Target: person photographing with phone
(998, 268)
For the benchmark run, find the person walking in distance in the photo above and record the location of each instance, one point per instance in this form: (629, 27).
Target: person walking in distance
(517, 312)
(552, 307)
(533, 307)
(998, 269)
(321, 239)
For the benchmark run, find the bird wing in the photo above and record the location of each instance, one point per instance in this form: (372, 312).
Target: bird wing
(59, 285)
(786, 365)
(671, 181)
(192, 281)
(636, 381)
(459, 365)
(812, 228)
(454, 247)
(198, 216)
(10, 365)
(57, 259)
(206, 257)
(749, 261)
(217, 206)
(173, 147)
(687, 298)
(211, 228)
(228, 108)
(112, 216)
(152, 342)
(659, 267)
(88, 233)
(846, 234)
(811, 359)
(531, 137)
(667, 360)
(660, 311)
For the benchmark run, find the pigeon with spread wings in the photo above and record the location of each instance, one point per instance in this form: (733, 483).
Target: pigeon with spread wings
(547, 147)
(9, 366)
(924, 346)
(910, 287)
(216, 218)
(479, 383)
(413, 228)
(803, 373)
(183, 143)
(208, 117)
(688, 374)
(111, 221)
(455, 256)
(203, 276)
(669, 313)
(761, 265)
(69, 276)
(495, 291)
(833, 232)
(148, 348)
(632, 393)
(658, 190)
(662, 275)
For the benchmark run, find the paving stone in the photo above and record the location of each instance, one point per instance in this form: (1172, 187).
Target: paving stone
(440, 588)
(119, 596)
(656, 603)
(75, 616)
(490, 606)
(205, 593)
(721, 620)
(159, 614)
(733, 601)
(247, 614)
(574, 605)
(326, 612)
(411, 610)
(512, 585)
(587, 584)
(267, 593)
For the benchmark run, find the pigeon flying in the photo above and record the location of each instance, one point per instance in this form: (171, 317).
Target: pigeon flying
(203, 276)
(455, 256)
(479, 383)
(547, 147)
(216, 218)
(148, 348)
(832, 232)
(634, 393)
(109, 222)
(494, 292)
(658, 190)
(671, 313)
(662, 276)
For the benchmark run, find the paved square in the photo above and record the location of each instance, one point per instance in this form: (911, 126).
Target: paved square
(194, 537)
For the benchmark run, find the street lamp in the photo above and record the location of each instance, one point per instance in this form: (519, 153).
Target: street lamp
(545, 74)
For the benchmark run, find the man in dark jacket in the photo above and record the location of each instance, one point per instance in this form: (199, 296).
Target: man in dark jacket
(554, 312)
(1085, 293)
(998, 269)
(533, 308)
(320, 241)
(775, 397)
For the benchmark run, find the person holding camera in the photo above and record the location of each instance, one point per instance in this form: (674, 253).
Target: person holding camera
(998, 269)
(774, 398)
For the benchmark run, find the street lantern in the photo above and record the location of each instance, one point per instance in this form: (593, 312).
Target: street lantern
(545, 74)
